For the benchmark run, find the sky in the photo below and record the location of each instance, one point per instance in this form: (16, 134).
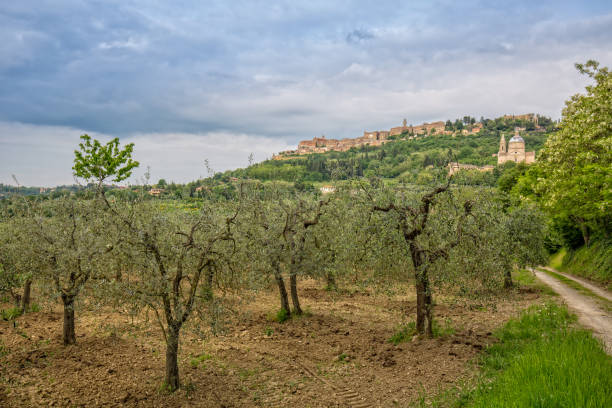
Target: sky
(189, 81)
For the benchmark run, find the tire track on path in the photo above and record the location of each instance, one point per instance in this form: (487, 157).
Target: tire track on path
(589, 313)
(595, 289)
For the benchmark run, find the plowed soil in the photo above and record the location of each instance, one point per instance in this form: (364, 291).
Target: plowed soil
(338, 355)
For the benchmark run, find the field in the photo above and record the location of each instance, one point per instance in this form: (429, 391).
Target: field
(338, 354)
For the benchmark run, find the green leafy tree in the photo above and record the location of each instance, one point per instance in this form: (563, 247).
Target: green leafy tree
(576, 162)
(95, 161)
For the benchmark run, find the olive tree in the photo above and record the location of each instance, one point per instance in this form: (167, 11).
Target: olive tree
(15, 271)
(262, 228)
(68, 239)
(171, 253)
(412, 213)
(278, 229)
(300, 215)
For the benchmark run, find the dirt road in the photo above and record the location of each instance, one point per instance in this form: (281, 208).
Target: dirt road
(595, 289)
(589, 313)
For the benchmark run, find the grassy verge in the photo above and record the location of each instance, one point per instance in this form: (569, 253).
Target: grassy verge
(541, 360)
(593, 262)
(527, 279)
(605, 303)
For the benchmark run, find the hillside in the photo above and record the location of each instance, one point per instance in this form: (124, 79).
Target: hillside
(410, 159)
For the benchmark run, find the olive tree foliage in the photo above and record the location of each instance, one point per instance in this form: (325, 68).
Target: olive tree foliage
(16, 268)
(495, 241)
(574, 169)
(278, 227)
(349, 247)
(435, 225)
(68, 239)
(174, 255)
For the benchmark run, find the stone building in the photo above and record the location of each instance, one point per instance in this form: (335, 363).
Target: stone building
(514, 151)
(455, 167)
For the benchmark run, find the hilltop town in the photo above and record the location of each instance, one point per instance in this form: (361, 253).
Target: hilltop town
(405, 131)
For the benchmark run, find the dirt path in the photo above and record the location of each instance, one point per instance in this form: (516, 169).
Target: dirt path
(589, 313)
(595, 289)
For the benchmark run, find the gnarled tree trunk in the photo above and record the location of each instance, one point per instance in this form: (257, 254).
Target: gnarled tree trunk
(331, 281)
(508, 279)
(172, 372)
(282, 291)
(25, 300)
(68, 333)
(294, 295)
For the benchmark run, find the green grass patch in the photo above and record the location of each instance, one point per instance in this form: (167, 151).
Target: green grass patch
(404, 333)
(593, 262)
(34, 308)
(542, 361)
(556, 260)
(199, 360)
(527, 279)
(11, 314)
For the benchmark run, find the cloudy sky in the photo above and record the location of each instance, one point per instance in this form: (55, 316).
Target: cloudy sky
(193, 80)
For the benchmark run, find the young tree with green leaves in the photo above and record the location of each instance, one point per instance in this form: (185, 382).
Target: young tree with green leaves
(95, 161)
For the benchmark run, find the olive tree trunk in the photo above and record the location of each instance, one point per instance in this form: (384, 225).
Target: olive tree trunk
(68, 332)
(25, 300)
(282, 290)
(172, 371)
(508, 283)
(294, 295)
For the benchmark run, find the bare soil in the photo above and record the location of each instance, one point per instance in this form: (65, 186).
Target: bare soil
(338, 355)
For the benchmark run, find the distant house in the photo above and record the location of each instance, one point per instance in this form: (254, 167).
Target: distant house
(327, 189)
(156, 192)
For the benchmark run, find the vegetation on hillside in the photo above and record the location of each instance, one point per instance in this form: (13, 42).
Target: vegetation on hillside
(411, 161)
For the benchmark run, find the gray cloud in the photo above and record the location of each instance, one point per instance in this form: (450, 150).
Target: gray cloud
(287, 70)
(359, 35)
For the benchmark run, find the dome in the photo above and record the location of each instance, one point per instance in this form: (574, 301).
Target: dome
(516, 138)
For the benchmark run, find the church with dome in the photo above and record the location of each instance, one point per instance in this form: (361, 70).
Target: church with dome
(514, 151)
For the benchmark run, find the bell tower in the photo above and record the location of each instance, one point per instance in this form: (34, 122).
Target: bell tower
(502, 144)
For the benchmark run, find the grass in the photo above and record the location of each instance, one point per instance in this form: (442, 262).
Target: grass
(404, 333)
(556, 260)
(199, 360)
(523, 277)
(11, 314)
(593, 262)
(541, 360)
